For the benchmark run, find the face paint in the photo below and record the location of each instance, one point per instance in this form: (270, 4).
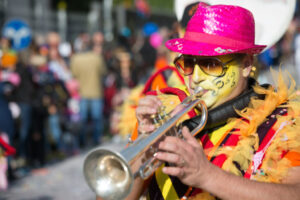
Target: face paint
(218, 89)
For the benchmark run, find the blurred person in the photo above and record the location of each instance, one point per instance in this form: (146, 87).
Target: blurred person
(6, 119)
(149, 55)
(82, 42)
(125, 80)
(287, 41)
(24, 95)
(125, 74)
(5, 150)
(98, 39)
(53, 40)
(49, 96)
(57, 64)
(88, 68)
(59, 97)
(7, 125)
(37, 140)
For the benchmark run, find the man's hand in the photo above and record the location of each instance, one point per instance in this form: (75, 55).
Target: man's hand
(147, 106)
(193, 169)
(191, 164)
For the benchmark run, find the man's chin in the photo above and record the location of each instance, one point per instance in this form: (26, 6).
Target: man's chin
(209, 104)
(208, 100)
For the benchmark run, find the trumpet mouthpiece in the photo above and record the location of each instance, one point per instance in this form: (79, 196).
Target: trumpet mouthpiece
(198, 91)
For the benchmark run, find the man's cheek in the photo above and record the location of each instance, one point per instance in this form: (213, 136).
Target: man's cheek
(230, 80)
(220, 84)
(233, 78)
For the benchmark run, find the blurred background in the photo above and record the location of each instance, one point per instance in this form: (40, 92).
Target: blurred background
(71, 74)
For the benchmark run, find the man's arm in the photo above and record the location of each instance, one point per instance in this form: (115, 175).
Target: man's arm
(193, 168)
(229, 186)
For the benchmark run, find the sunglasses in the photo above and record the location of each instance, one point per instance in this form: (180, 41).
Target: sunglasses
(210, 66)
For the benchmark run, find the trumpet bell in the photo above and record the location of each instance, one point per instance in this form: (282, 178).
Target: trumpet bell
(116, 177)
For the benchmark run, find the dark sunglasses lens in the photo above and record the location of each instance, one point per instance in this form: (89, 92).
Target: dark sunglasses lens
(212, 67)
(189, 64)
(179, 64)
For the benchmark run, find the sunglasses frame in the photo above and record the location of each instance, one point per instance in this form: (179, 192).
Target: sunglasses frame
(224, 67)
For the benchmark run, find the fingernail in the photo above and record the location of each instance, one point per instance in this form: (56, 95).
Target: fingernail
(152, 127)
(155, 154)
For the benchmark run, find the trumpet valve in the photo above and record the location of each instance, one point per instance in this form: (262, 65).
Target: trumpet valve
(161, 117)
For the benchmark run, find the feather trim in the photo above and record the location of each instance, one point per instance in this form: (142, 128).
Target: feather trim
(274, 166)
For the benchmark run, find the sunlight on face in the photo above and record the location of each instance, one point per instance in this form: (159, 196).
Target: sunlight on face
(218, 89)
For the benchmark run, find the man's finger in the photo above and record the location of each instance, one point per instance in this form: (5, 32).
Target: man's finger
(144, 110)
(188, 137)
(146, 128)
(169, 157)
(150, 101)
(170, 144)
(174, 171)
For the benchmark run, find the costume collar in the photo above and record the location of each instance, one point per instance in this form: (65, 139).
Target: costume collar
(219, 115)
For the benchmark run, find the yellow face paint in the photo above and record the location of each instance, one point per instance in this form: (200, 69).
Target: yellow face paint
(217, 89)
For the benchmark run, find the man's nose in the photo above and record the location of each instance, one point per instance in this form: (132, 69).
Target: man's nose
(198, 75)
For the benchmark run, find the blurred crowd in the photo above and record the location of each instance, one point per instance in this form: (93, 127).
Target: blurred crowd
(58, 98)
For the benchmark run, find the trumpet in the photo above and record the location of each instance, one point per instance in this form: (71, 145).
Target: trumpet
(111, 174)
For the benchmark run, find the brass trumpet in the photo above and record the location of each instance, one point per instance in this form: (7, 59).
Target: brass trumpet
(111, 174)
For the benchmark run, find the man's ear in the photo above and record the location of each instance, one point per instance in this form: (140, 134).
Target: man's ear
(247, 65)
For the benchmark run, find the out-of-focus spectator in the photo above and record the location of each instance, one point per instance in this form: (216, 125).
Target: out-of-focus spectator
(23, 95)
(53, 40)
(88, 68)
(125, 80)
(288, 40)
(5, 150)
(6, 119)
(81, 43)
(98, 39)
(58, 66)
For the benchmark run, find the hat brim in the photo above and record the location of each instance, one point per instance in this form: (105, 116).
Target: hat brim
(188, 47)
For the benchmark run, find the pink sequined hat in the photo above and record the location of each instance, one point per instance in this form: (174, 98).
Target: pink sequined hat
(218, 30)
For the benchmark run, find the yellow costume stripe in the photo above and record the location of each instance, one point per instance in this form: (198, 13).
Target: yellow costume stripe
(219, 133)
(165, 185)
(218, 136)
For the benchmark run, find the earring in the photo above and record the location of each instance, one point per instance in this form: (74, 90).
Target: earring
(253, 72)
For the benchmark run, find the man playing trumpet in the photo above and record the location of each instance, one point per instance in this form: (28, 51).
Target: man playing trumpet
(253, 156)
